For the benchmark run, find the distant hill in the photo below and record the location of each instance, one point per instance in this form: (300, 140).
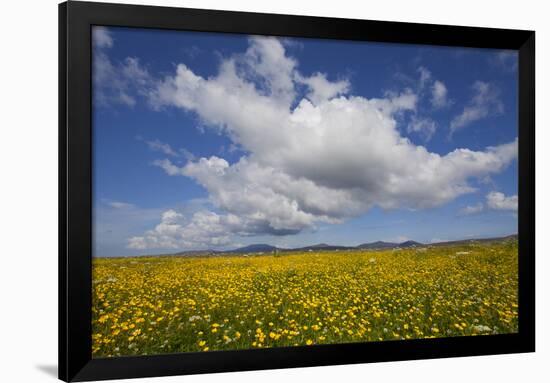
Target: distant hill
(378, 245)
(191, 252)
(410, 244)
(476, 240)
(321, 247)
(255, 248)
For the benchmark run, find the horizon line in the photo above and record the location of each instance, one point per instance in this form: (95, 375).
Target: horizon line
(210, 250)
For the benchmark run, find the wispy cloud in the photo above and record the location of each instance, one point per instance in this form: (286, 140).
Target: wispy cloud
(485, 102)
(101, 37)
(162, 147)
(120, 205)
(435, 93)
(115, 82)
(439, 95)
(165, 148)
(506, 60)
(436, 89)
(169, 167)
(426, 127)
(472, 209)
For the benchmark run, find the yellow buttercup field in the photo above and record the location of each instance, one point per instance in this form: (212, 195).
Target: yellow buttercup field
(168, 304)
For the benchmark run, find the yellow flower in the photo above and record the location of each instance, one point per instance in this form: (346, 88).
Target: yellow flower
(338, 296)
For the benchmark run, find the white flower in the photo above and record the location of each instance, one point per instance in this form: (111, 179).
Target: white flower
(482, 328)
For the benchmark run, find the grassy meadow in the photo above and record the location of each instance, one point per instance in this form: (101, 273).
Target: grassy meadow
(168, 304)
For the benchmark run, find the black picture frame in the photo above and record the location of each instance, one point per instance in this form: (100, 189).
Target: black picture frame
(75, 206)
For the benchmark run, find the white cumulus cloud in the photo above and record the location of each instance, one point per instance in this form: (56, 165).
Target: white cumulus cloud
(321, 159)
(499, 201)
(321, 89)
(206, 229)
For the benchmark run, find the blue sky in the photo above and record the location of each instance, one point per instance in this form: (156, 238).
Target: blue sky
(215, 141)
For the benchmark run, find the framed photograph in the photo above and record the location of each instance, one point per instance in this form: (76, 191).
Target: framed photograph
(250, 191)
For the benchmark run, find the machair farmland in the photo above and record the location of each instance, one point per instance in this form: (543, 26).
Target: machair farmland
(170, 304)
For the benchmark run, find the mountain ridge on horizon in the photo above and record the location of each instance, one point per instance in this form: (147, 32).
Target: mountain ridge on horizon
(266, 248)
(376, 245)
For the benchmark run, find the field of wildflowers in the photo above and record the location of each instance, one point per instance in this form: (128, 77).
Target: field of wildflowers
(158, 305)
